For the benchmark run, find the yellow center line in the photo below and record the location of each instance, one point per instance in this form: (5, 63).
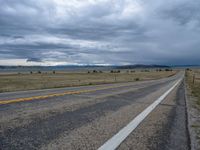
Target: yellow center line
(54, 95)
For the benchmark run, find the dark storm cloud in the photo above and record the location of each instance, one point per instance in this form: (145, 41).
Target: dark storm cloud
(101, 31)
(184, 12)
(33, 60)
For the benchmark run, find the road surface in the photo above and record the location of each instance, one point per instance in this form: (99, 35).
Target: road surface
(87, 117)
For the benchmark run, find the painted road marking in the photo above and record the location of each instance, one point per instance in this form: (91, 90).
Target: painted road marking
(43, 97)
(118, 138)
(55, 95)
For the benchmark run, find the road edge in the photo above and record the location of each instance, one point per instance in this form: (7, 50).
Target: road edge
(188, 118)
(193, 114)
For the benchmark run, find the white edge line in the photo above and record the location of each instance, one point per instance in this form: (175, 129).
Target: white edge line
(118, 138)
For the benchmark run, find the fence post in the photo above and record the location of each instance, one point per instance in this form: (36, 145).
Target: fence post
(193, 80)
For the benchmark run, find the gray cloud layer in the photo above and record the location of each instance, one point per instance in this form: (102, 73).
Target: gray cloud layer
(100, 31)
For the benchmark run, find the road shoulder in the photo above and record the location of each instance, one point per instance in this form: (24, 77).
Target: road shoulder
(193, 119)
(165, 128)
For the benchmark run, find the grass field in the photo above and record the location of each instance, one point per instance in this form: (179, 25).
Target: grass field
(28, 81)
(193, 80)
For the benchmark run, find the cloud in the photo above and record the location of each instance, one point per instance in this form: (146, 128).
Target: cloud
(33, 60)
(100, 31)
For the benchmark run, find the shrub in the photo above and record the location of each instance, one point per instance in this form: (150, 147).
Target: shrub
(137, 79)
(168, 69)
(115, 71)
(188, 69)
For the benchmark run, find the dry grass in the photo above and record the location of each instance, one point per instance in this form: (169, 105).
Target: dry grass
(27, 81)
(195, 87)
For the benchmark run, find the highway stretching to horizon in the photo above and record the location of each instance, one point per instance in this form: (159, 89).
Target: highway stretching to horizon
(134, 115)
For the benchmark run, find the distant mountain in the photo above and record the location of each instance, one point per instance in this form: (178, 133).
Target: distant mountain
(186, 66)
(141, 66)
(89, 67)
(56, 68)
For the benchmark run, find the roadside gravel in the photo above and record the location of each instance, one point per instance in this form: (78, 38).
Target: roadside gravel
(193, 119)
(165, 128)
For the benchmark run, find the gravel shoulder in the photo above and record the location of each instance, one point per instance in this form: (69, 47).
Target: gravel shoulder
(165, 128)
(193, 119)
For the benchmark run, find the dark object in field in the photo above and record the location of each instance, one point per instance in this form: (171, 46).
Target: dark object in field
(158, 70)
(115, 71)
(137, 79)
(168, 69)
(188, 69)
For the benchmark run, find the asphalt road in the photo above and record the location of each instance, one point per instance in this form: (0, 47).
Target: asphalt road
(86, 117)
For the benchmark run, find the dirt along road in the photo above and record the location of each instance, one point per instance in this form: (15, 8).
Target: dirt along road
(87, 117)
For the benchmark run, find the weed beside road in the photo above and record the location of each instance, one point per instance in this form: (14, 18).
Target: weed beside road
(193, 80)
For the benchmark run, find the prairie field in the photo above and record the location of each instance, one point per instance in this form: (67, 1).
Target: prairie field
(193, 80)
(34, 80)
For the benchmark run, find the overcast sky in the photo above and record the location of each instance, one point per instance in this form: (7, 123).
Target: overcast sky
(108, 32)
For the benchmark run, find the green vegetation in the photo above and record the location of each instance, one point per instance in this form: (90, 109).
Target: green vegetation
(42, 80)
